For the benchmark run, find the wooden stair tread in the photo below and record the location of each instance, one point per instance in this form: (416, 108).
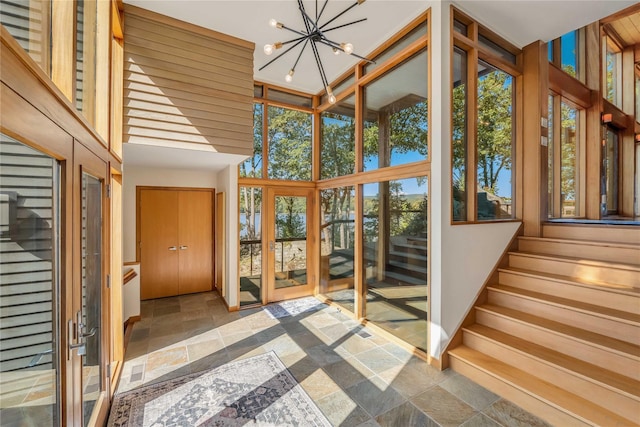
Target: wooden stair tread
(584, 307)
(581, 261)
(610, 287)
(602, 341)
(539, 389)
(584, 369)
(604, 244)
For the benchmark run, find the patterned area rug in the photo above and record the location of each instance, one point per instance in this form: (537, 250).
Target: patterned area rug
(258, 391)
(293, 307)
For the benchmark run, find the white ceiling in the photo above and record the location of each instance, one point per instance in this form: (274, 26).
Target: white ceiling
(519, 21)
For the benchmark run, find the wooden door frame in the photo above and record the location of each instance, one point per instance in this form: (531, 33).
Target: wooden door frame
(85, 160)
(270, 294)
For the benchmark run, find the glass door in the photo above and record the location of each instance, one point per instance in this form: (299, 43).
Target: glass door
(31, 356)
(91, 301)
(610, 172)
(289, 224)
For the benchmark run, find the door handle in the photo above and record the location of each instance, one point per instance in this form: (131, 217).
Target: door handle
(173, 248)
(80, 346)
(182, 248)
(91, 333)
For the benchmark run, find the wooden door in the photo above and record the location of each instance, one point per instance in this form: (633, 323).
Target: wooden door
(195, 241)
(158, 243)
(290, 243)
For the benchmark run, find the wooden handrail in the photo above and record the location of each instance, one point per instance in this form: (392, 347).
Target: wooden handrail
(128, 276)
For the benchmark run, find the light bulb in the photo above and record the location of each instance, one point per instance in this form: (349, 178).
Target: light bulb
(268, 49)
(289, 77)
(336, 51)
(330, 96)
(347, 47)
(273, 22)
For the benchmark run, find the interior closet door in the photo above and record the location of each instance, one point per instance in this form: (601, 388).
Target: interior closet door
(195, 241)
(175, 241)
(158, 243)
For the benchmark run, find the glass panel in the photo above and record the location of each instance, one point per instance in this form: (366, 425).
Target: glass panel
(569, 53)
(337, 136)
(344, 84)
(291, 241)
(569, 162)
(459, 27)
(252, 167)
(29, 22)
(496, 49)
(337, 234)
(396, 115)
(395, 257)
(413, 35)
(459, 134)
(495, 143)
(550, 50)
(29, 345)
(289, 144)
(250, 246)
(289, 98)
(258, 91)
(613, 69)
(91, 293)
(610, 172)
(86, 12)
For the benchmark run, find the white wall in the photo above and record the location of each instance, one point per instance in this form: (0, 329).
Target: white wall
(228, 182)
(131, 294)
(134, 176)
(462, 256)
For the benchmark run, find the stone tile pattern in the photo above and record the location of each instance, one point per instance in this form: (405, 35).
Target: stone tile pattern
(256, 390)
(356, 377)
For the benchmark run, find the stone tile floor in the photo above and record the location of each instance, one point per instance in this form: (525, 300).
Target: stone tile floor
(355, 377)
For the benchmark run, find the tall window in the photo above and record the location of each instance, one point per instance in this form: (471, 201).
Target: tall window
(337, 140)
(612, 71)
(395, 129)
(483, 125)
(289, 144)
(252, 167)
(567, 53)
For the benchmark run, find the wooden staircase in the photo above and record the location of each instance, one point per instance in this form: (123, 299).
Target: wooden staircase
(559, 333)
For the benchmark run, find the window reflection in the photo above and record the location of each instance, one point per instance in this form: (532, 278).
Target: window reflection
(396, 116)
(337, 238)
(395, 257)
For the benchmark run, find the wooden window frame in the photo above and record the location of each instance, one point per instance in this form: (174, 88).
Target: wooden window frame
(475, 53)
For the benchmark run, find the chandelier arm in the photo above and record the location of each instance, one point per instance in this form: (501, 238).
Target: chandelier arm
(323, 77)
(339, 15)
(333, 44)
(300, 33)
(295, 40)
(322, 10)
(271, 62)
(344, 25)
(300, 54)
(304, 18)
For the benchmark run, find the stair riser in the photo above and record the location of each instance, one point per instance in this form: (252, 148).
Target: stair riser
(600, 325)
(600, 234)
(521, 398)
(597, 393)
(411, 261)
(592, 273)
(602, 253)
(564, 344)
(603, 296)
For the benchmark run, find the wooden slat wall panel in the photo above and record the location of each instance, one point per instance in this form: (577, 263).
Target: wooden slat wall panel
(26, 274)
(185, 87)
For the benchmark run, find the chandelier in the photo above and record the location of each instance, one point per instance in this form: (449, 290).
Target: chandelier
(313, 34)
